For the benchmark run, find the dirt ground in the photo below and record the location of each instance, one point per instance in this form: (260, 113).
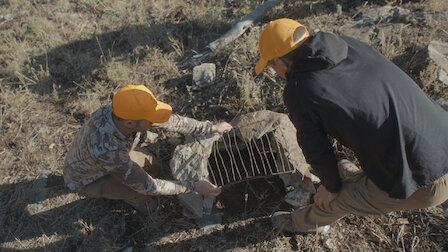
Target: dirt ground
(61, 59)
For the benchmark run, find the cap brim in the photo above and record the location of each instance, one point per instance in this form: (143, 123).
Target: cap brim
(260, 66)
(161, 113)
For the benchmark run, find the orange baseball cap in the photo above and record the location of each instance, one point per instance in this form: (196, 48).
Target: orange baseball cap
(137, 102)
(278, 38)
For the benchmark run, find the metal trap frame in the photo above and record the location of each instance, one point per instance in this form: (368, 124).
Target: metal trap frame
(235, 160)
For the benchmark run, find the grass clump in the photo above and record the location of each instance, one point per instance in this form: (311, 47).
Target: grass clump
(249, 91)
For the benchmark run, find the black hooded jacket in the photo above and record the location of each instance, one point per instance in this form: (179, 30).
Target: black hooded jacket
(341, 87)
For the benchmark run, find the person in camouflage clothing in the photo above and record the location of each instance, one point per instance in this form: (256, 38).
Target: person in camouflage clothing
(102, 161)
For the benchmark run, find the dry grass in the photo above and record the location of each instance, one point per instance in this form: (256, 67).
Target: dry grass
(60, 60)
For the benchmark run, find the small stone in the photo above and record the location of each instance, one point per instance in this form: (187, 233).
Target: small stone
(438, 52)
(6, 17)
(443, 77)
(298, 198)
(203, 76)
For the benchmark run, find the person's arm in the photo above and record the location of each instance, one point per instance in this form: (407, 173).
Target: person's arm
(186, 125)
(313, 141)
(119, 165)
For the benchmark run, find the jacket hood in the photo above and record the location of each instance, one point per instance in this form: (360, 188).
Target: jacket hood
(324, 50)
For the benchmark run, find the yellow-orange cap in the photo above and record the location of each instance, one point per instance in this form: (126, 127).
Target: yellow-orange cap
(278, 38)
(137, 102)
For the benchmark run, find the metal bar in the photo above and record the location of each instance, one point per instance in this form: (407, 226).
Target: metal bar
(224, 165)
(255, 159)
(261, 156)
(280, 154)
(250, 158)
(272, 151)
(264, 151)
(213, 174)
(230, 158)
(239, 153)
(216, 161)
(233, 156)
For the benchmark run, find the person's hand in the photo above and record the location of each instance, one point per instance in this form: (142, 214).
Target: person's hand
(206, 188)
(323, 198)
(221, 127)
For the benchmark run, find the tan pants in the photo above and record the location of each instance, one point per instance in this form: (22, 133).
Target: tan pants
(111, 188)
(360, 196)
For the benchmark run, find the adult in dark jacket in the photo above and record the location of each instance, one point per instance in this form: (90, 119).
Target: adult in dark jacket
(340, 87)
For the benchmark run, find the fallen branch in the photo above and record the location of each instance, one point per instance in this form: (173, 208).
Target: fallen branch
(237, 30)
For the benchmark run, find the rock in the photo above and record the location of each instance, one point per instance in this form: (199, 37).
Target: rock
(443, 77)
(388, 14)
(438, 52)
(298, 198)
(6, 17)
(203, 76)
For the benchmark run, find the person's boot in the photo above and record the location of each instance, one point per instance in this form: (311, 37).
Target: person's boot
(282, 221)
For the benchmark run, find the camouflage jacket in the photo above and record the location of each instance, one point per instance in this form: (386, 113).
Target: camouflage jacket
(100, 149)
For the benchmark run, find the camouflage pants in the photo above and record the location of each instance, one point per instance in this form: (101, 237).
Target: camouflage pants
(111, 188)
(360, 196)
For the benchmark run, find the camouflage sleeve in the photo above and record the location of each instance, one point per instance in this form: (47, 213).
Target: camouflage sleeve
(185, 125)
(140, 181)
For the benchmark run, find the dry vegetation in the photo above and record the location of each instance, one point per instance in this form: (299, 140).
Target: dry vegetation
(61, 59)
